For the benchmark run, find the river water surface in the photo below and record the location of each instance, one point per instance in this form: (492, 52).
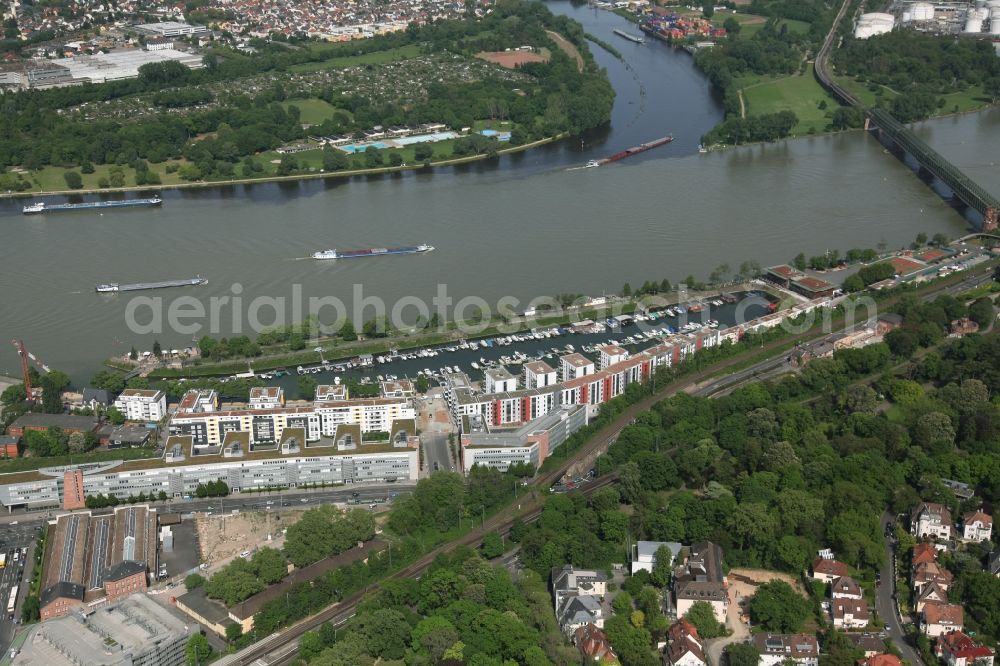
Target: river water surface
(523, 226)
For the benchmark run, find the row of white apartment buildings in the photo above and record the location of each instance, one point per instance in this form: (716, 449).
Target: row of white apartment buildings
(262, 444)
(577, 381)
(266, 416)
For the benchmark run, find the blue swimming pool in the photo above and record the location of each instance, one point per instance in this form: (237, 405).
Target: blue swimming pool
(424, 138)
(360, 148)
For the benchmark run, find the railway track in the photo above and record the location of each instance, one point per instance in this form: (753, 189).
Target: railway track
(344, 610)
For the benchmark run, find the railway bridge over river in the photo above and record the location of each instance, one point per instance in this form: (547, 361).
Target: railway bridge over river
(963, 188)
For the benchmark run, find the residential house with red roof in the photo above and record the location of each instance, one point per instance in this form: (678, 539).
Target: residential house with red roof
(594, 646)
(881, 660)
(828, 570)
(937, 619)
(685, 647)
(957, 649)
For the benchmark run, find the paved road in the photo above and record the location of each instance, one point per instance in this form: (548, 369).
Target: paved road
(885, 604)
(436, 453)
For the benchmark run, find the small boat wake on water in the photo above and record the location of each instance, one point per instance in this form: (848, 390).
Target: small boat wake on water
(371, 252)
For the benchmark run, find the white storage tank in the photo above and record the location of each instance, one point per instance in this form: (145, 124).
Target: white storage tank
(995, 23)
(875, 23)
(922, 11)
(973, 23)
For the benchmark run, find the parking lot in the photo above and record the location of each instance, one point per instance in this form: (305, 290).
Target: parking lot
(17, 544)
(185, 555)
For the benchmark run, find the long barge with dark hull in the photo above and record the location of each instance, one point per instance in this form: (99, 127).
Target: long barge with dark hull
(635, 150)
(114, 287)
(630, 37)
(41, 207)
(371, 252)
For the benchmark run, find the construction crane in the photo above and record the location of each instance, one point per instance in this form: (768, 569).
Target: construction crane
(25, 355)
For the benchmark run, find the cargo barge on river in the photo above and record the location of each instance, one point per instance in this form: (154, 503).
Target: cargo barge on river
(371, 252)
(41, 207)
(114, 287)
(635, 150)
(632, 38)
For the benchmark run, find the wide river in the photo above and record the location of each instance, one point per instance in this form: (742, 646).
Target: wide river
(524, 226)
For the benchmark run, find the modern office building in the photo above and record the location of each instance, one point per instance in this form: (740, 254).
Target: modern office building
(530, 444)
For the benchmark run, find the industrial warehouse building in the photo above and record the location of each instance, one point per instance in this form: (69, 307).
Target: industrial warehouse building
(94, 557)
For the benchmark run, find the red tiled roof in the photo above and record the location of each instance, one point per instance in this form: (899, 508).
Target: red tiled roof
(973, 516)
(882, 660)
(829, 567)
(937, 613)
(961, 645)
(923, 553)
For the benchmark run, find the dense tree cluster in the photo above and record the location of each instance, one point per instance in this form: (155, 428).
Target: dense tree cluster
(909, 61)
(217, 350)
(462, 610)
(326, 531)
(242, 578)
(753, 129)
(924, 324)
(54, 441)
(444, 500)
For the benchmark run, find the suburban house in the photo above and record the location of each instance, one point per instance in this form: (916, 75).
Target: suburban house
(828, 570)
(977, 526)
(932, 594)
(577, 597)
(958, 649)
(685, 648)
(700, 578)
(930, 572)
(576, 612)
(849, 613)
(95, 399)
(776, 649)
(922, 554)
(931, 521)
(938, 619)
(881, 660)
(594, 646)
(869, 644)
(845, 587)
(644, 554)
